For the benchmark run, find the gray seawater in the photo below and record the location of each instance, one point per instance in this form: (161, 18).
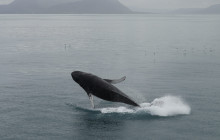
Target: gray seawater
(171, 61)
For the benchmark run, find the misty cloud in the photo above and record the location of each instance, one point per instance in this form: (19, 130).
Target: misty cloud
(5, 1)
(168, 4)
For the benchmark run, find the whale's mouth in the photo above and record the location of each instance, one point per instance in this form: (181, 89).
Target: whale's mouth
(75, 76)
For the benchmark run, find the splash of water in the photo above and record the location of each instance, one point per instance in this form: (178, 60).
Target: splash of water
(164, 106)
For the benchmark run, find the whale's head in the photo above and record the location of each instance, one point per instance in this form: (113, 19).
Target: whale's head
(77, 76)
(80, 77)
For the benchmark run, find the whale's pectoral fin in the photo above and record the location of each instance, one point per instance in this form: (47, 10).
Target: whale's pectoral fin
(116, 80)
(91, 100)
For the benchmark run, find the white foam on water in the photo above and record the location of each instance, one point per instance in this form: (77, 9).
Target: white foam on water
(117, 110)
(164, 106)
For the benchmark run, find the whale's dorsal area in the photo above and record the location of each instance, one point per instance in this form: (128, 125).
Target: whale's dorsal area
(115, 81)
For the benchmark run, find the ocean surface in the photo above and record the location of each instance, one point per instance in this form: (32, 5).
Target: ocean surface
(172, 65)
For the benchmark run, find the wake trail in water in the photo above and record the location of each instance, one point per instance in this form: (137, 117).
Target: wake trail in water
(164, 106)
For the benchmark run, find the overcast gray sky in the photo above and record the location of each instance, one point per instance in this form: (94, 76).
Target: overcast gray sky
(5, 1)
(159, 4)
(169, 4)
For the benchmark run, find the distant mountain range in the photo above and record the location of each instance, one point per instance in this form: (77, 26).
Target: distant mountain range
(87, 7)
(65, 7)
(214, 9)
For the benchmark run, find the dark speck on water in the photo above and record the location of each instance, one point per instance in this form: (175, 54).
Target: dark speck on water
(172, 65)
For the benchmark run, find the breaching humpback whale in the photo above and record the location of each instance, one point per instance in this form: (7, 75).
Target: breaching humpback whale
(102, 88)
